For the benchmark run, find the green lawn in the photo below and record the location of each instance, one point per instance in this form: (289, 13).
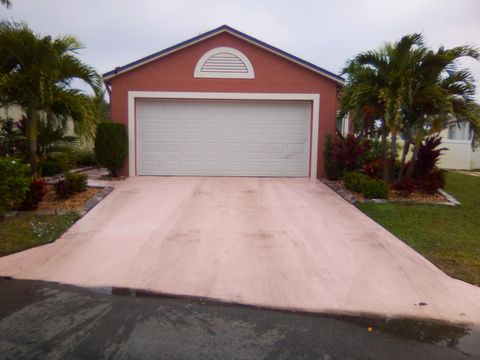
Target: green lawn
(25, 230)
(447, 236)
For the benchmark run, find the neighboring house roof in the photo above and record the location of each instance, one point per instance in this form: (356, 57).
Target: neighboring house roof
(224, 28)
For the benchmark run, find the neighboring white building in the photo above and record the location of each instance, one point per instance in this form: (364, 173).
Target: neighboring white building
(15, 112)
(457, 138)
(12, 111)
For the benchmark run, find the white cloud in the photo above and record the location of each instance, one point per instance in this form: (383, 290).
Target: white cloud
(324, 32)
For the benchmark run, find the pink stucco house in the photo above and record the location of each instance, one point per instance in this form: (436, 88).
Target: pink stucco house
(224, 104)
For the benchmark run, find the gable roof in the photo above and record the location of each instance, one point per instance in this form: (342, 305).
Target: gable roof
(224, 28)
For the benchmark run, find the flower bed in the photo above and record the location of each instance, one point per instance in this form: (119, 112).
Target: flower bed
(76, 201)
(439, 198)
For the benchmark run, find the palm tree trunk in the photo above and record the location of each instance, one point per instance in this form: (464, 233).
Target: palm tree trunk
(393, 157)
(384, 155)
(406, 147)
(416, 147)
(32, 136)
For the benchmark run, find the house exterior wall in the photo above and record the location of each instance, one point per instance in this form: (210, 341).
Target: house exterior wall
(11, 111)
(460, 155)
(15, 112)
(273, 74)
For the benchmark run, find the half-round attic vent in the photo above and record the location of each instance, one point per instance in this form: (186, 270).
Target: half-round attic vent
(224, 62)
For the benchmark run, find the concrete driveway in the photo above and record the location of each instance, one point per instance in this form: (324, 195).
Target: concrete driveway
(281, 243)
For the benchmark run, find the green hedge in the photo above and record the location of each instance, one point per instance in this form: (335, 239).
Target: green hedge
(370, 188)
(375, 189)
(354, 181)
(14, 182)
(111, 146)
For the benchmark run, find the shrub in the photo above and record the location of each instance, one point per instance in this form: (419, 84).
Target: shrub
(85, 158)
(333, 169)
(350, 151)
(405, 186)
(373, 168)
(50, 167)
(70, 184)
(428, 156)
(14, 182)
(433, 181)
(376, 151)
(12, 139)
(56, 163)
(375, 189)
(35, 194)
(370, 188)
(111, 146)
(354, 181)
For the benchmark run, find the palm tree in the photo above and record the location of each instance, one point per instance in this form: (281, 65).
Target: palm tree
(360, 100)
(440, 92)
(413, 90)
(37, 73)
(6, 3)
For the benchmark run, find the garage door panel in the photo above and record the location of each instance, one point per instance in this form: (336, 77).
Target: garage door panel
(223, 138)
(152, 147)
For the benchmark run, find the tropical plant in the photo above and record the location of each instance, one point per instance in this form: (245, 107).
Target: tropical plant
(12, 138)
(405, 186)
(111, 146)
(373, 168)
(14, 182)
(354, 180)
(370, 188)
(407, 89)
(375, 189)
(36, 72)
(85, 157)
(428, 156)
(333, 168)
(349, 150)
(6, 3)
(101, 107)
(55, 146)
(53, 137)
(432, 181)
(34, 195)
(70, 185)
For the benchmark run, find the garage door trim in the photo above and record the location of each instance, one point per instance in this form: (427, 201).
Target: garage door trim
(133, 95)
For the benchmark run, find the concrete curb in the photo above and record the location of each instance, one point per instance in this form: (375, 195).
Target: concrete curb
(54, 178)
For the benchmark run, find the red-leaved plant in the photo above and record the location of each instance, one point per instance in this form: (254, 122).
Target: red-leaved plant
(428, 156)
(373, 168)
(349, 150)
(35, 194)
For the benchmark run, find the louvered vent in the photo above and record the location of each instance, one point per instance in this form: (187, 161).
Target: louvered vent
(224, 63)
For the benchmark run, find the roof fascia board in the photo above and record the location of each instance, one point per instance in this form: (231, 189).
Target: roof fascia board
(111, 74)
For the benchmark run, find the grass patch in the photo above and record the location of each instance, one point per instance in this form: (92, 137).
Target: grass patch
(24, 231)
(447, 236)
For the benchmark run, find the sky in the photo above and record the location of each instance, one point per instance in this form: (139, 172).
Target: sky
(324, 32)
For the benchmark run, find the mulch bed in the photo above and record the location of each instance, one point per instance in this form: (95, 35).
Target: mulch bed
(416, 196)
(76, 201)
(394, 196)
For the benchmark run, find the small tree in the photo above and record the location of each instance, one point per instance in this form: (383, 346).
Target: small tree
(111, 146)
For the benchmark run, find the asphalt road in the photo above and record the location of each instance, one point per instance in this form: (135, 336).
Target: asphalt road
(40, 320)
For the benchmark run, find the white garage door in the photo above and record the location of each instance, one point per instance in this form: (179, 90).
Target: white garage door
(223, 138)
